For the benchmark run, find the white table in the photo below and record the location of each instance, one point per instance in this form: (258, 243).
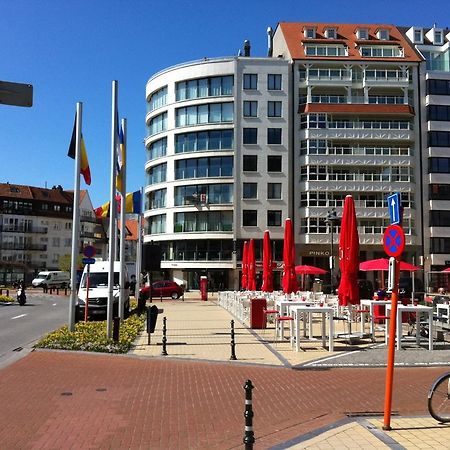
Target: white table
(371, 304)
(418, 309)
(283, 306)
(299, 313)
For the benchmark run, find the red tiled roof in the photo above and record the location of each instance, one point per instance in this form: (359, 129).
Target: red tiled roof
(346, 34)
(35, 193)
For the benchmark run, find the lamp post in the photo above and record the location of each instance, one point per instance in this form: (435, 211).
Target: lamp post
(332, 219)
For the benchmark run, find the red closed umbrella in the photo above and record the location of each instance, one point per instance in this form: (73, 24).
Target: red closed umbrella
(289, 281)
(251, 280)
(244, 266)
(348, 291)
(267, 278)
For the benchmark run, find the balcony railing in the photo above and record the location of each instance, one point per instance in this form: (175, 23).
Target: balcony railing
(363, 177)
(17, 246)
(343, 99)
(370, 125)
(370, 151)
(22, 229)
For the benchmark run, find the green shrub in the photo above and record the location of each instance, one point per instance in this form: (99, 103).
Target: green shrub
(6, 299)
(91, 337)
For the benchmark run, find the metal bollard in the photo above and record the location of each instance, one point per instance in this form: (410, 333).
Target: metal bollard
(7, 292)
(164, 338)
(233, 344)
(249, 438)
(116, 329)
(57, 291)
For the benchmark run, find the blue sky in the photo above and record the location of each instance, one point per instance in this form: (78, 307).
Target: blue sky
(71, 51)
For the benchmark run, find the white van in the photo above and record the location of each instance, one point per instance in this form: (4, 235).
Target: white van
(52, 279)
(98, 290)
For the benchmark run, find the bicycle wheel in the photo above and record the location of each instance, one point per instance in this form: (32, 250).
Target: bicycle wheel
(439, 399)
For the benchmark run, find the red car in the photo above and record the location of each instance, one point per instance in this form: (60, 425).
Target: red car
(162, 289)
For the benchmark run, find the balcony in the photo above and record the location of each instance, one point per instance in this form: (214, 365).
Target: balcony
(395, 78)
(356, 99)
(22, 229)
(22, 246)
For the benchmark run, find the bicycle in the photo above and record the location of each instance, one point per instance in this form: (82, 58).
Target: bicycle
(439, 398)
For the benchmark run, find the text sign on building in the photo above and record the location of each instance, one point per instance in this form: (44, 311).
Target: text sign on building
(394, 207)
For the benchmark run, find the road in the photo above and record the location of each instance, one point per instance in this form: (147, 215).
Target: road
(22, 326)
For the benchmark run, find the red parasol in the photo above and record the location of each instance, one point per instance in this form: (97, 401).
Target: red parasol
(383, 264)
(267, 278)
(289, 278)
(244, 267)
(446, 270)
(348, 291)
(251, 280)
(309, 270)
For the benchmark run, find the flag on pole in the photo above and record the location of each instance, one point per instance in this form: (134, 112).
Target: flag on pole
(102, 211)
(133, 202)
(120, 160)
(84, 167)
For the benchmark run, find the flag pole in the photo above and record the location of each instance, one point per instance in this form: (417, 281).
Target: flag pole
(112, 212)
(139, 243)
(123, 232)
(75, 221)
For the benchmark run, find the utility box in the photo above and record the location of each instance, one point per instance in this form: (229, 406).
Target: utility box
(204, 287)
(257, 315)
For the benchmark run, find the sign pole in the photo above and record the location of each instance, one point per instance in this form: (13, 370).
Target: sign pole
(86, 304)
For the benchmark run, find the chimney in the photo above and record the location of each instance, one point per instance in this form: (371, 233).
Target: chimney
(246, 47)
(269, 41)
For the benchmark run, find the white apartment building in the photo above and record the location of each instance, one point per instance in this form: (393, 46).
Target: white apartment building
(218, 164)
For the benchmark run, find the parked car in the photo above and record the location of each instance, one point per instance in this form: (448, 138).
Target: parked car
(163, 288)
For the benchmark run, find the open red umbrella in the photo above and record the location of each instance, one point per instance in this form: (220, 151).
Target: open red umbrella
(289, 281)
(267, 278)
(251, 280)
(309, 270)
(383, 264)
(348, 290)
(244, 266)
(446, 270)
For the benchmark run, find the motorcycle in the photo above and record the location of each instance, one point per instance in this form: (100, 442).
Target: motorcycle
(21, 296)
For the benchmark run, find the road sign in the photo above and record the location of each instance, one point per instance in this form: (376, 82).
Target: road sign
(394, 203)
(16, 94)
(88, 260)
(394, 240)
(89, 251)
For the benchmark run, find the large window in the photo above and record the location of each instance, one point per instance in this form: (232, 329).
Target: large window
(204, 194)
(440, 245)
(325, 50)
(438, 139)
(157, 174)
(203, 250)
(204, 140)
(250, 190)
(274, 109)
(220, 166)
(273, 136)
(201, 221)
(381, 51)
(438, 87)
(274, 82)
(274, 191)
(250, 81)
(439, 165)
(250, 108)
(273, 218)
(274, 163)
(439, 218)
(158, 99)
(438, 112)
(157, 149)
(204, 87)
(157, 124)
(250, 136)
(157, 199)
(156, 224)
(250, 163)
(201, 114)
(439, 191)
(250, 218)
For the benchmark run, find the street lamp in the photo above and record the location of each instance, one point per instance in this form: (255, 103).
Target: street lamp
(332, 219)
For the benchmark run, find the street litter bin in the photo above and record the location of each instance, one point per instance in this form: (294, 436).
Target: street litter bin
(152, 316)
(204, 287)
(257, 316)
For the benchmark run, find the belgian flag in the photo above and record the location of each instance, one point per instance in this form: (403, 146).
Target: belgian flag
(84, 166)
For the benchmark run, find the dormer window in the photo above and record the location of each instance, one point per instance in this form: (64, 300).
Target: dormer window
(418, 36)
(362, 34)
(310, 33)
(383, 35)
(330, 33)
(438, 37)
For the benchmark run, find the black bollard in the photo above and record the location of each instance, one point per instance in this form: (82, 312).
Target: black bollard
(57, 291)
(249, 438)
(7, 292)
(233, 345)
(164, 338)
(116, 329)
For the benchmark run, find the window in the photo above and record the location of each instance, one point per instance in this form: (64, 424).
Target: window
(439, 191)
(156, 224)
(362, 34)
(438, 87)
(250, 218)
(383, 35)
(157, 199)
(250, 190)
(158, 99)
(439, 218)
(418, 36)
(204, 87)
(326, 50)
(250, 108)
(438, 37)
(250, 81)
(440, 245)
(378, 51)
(438, 139)
(310, 33)
(438, 112)
(274, 82)
(157, 174)
(439, 165)
(250, 163)
(330, 33)
(274, 218)
(157, 124)
(204, 140)
(200, 114)
(157, 149)
(274, 109)
(214, 193)
(273, 136)
(274, 163)
(273, 191)
(250, 136)
(221, 166)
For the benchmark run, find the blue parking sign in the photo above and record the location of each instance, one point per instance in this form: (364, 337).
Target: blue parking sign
(394, 205)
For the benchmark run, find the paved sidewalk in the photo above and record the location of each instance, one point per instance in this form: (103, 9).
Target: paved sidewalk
(194, 398)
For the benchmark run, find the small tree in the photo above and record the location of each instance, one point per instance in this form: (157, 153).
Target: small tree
(65, 260)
